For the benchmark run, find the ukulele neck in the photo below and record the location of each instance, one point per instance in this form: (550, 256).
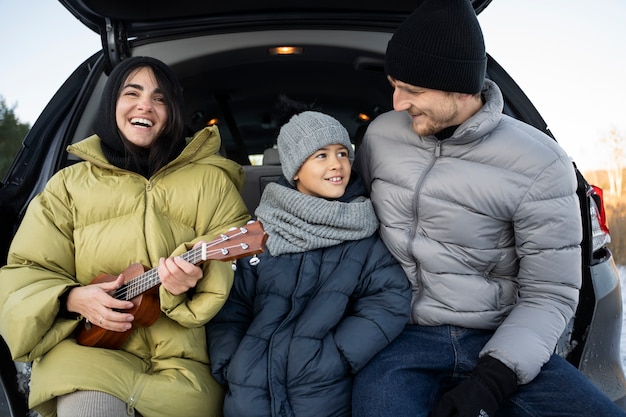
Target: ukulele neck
(150, 279)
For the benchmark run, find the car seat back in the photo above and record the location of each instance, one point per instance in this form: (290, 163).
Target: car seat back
(258, 176)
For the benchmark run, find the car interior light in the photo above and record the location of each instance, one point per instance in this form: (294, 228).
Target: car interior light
(212, 122)
(364, 117)
(286, 50)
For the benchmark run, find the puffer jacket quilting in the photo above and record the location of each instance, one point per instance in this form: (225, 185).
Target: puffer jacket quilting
(65, 244)
(486, 225)
(318, 317)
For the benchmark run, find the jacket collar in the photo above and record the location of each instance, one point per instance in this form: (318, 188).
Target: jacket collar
(485, 120)
(202, 148)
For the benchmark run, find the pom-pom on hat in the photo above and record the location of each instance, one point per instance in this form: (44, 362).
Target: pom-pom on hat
(439, 46)
(304, 134)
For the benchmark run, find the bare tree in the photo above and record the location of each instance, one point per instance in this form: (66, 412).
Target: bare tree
(615, 144)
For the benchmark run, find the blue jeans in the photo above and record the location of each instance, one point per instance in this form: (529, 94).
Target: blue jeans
(407, 378)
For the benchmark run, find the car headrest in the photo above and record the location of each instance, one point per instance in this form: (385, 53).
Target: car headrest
(270, 157)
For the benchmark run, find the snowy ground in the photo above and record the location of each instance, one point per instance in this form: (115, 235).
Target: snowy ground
(622, 274)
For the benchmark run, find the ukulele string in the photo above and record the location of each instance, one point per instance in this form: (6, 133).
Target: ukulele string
(150, 278)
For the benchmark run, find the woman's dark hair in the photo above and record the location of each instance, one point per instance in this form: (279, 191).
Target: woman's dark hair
(170, 142)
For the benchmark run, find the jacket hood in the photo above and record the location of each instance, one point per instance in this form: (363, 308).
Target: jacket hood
(202, 148)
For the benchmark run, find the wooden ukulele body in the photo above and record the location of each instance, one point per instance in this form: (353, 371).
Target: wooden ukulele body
(142, 285)
(146, 310)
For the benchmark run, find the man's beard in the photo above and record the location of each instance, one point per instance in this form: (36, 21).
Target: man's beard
(438, 119)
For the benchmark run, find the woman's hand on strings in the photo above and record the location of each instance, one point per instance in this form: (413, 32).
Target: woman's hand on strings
(96, 304)
(177, 275)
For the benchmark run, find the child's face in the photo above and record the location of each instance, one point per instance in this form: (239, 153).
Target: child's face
(325, 173)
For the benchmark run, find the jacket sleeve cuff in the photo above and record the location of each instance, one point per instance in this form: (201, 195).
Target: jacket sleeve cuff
(170, 301)
(63, 311)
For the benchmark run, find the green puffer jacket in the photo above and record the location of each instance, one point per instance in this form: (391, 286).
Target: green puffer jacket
(93, 218)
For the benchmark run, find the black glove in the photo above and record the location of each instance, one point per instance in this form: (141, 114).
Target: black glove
(481, 394)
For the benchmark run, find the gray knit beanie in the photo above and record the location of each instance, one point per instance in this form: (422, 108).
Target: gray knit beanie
(439, 46)
(306, 133)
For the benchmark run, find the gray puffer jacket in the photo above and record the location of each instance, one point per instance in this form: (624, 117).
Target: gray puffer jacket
(486, 225)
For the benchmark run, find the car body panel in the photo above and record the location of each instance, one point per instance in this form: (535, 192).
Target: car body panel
(120, 23)
(602, 351)
(148, 15)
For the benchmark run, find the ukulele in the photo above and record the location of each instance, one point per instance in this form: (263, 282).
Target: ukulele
(142, 285)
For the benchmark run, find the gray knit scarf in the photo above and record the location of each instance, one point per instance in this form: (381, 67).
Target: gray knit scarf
(296, 222)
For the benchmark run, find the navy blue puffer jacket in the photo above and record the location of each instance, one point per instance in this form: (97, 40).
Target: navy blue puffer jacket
(317, 318)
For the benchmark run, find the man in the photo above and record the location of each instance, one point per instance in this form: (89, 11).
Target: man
(481, 211)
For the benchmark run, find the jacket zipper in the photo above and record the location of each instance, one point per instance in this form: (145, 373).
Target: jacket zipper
(416, 197)
(132, 399)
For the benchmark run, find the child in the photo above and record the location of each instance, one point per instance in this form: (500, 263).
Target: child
(326, 295)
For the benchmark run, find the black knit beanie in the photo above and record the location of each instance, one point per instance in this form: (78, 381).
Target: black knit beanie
(439, 46)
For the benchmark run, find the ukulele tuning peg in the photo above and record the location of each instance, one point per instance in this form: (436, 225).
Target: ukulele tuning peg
(232, 228)
(254, 261)
(234, 266)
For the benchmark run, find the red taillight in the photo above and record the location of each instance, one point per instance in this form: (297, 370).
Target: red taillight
(599, 227)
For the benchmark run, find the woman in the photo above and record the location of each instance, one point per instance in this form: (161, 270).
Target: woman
(142, 194)
(325, 296)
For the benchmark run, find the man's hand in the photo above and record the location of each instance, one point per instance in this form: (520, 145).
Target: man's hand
(481, 394)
